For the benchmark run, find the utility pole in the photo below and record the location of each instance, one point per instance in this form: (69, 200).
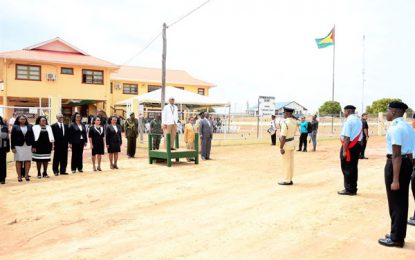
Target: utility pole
(163, 65)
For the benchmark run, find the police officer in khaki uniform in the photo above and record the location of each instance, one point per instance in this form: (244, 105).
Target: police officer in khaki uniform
(287, 147)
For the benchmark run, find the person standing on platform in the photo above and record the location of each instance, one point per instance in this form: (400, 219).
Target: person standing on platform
(303, 127)
(314, 131)
(206, 132)
(43, 145)
(131, 131)
(22, 139)
(156, 132)
(96, 135)
(287, 146)
(4, 149)
(351, 135)
(60, 155)
(365, 135)
(77, 141)
(114, 141)
(189, 135)
(398, 169)
(273, 130)
(411, 220)
(141, 127)
(169, 119)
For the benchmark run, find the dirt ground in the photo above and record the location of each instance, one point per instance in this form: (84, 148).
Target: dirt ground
(228, 208)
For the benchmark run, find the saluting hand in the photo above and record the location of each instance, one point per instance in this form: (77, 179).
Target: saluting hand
(395, 186)
(282, 151)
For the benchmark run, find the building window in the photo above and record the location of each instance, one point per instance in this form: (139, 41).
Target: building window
(111, 87)
(201, 91)
(28, 72)
(152, 88)
(130, 89)
(182, 88)
(67, 71)
(93, 77)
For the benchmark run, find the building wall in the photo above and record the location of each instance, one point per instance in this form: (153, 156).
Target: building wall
(65, 86)
(117, 93)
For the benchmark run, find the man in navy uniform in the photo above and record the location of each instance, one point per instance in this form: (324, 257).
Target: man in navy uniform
(411, 220)
(398, 169)
(350, 151)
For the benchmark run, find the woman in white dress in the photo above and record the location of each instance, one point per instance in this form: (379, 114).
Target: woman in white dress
(22, 139)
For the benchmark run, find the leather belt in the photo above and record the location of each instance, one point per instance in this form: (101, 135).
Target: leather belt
(404, 156)
(289, 139)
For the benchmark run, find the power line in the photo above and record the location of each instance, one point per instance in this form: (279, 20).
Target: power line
(159, 34)
(143, 49)
(187, 14)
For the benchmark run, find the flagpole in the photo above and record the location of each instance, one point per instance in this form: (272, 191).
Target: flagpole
(363, 75)
(332, 87)
(334, 59)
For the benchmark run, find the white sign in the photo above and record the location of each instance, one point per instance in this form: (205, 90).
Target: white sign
(32, 110)
(266, 106)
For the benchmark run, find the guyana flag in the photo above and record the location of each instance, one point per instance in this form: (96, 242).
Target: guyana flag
(326, 41)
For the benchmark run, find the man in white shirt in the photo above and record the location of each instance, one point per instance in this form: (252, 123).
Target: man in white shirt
(169, 119)
(352, 134)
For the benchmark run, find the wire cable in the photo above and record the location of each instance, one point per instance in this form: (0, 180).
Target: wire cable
(187, 14)
(143, 49)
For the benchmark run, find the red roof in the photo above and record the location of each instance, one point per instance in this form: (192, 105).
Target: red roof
(57, 51)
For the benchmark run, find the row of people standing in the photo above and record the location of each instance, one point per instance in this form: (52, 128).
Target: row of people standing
(35, 143)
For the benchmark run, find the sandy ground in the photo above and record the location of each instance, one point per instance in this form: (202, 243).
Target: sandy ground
(227, 208)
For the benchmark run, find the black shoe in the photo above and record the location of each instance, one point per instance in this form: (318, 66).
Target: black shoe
(64, 173)
(299, 150)
(73, 172)
(203, 158)
(389, 242)
(39, 176)
(172, 149)
(345, 192)
(56, 174)
(45, 175)
(305, 151)
(411, 221)
(388, 236)
(80, 171)
(285, 183)
(2, 182)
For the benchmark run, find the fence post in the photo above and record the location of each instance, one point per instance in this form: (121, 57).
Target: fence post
(380, 123)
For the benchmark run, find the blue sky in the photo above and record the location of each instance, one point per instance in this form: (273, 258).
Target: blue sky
(248, 48)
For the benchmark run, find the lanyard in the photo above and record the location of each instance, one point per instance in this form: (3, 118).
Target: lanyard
(99, 131)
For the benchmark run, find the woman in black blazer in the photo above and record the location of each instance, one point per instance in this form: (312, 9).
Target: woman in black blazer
(114, 141)
(4, 149)
(96, 135)
(22, 139)
(77, 141)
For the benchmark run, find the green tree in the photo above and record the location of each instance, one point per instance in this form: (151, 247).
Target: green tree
(330, 108)
(380, 105)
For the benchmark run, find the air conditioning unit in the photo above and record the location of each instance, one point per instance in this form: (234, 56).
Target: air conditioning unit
(50, 76)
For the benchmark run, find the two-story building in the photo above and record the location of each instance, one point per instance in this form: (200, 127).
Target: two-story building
(55, 68)
(81, 82)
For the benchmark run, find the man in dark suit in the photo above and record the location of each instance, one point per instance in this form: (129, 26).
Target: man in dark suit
(205, 132)
(60, 157)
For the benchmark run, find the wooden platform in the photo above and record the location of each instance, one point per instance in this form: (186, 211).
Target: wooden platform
(168, 154)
